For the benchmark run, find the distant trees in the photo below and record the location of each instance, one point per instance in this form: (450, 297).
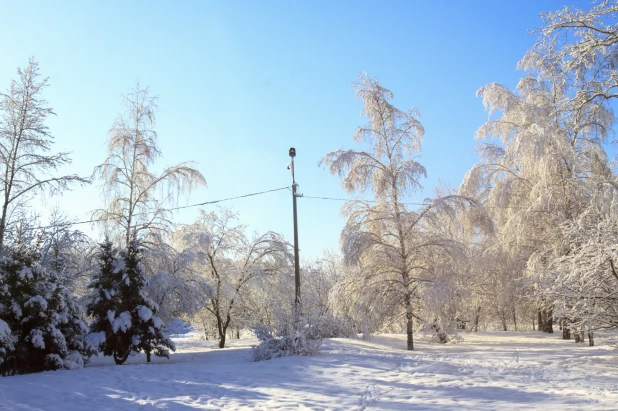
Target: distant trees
(231, 262)
(134, 208)
(25, 143)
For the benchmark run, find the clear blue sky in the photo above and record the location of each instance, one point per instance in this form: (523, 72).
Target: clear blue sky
(242, 81)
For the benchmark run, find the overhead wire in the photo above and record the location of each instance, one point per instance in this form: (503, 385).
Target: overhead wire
(220, 201)
(159, 210)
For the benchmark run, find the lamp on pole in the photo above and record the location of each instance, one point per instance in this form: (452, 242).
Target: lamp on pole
(292, 154)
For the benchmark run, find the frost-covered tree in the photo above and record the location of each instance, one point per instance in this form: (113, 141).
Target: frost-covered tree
(135, 195)
(536, 163)
(125, 318)
(231, 262)
(577, 50)
(583, 281)
(576, 54)
(45, 320)
(26, 165)
(67, 251)
(383, 236)
(177, 289)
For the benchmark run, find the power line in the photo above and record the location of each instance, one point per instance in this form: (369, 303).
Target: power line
(228, 199)
(159, 210)
(351, 199)
(407, 203)
(220, 201)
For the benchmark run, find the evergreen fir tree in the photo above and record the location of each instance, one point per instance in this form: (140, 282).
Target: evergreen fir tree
(125, 318)
(104, 302)
(44, 319)
(146, 330)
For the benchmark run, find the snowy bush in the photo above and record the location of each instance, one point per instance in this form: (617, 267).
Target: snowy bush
(305, 340)
(330, 326)
(42, 326)
(436, 332)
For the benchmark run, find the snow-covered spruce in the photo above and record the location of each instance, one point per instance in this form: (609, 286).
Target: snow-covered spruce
(7, 341)
(125, 318)
(42, 326)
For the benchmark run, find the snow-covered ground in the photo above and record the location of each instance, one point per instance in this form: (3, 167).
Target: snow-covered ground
(499, 370)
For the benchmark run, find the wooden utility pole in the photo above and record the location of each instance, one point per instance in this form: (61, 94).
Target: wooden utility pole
(292, 153)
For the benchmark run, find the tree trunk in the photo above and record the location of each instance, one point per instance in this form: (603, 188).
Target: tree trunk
(514, 318)
(549, 325)
(579, 336)
(477, 319)
(221, 330)
(147, 355)
(3, 225)
(566, 332)
(591, 338)
(540, 323)
(120, 358)
(408, 302)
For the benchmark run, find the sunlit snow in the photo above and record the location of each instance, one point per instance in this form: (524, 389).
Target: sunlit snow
(498, 370)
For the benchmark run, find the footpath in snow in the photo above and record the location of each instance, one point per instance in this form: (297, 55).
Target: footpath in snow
(489, 371)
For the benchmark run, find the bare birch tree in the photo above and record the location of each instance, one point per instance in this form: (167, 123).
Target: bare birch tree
(135, 195)
(386, 238)
(26, 166)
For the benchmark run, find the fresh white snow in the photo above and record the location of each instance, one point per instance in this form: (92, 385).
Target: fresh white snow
(498, 370)
(122, 322)
(144, 313)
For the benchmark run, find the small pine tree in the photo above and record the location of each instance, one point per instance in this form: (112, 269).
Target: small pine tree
(43, 317)
(104, 302)
(147, 331)
(125, 318)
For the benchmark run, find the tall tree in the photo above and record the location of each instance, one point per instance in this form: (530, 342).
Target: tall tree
(537, 162)
(130, 184)
(383, 235)
(25, 143)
